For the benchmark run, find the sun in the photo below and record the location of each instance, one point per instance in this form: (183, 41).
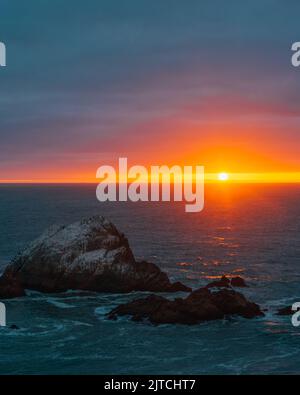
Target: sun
(223, 176)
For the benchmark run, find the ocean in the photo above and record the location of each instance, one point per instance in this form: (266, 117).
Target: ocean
(247, 230)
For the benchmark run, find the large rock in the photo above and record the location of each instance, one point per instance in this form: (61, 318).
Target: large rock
(10, 288)
(88, 255)
(201, 305)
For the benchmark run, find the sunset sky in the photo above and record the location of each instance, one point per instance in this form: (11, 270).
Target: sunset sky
(159, 82)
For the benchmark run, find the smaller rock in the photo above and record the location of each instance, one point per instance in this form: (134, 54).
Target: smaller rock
(232, 302)
(238, 282)
(285, 311)
(223, 282)
(201, 305)
(13, 326)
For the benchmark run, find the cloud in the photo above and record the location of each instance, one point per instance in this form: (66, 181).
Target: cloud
(91, 76)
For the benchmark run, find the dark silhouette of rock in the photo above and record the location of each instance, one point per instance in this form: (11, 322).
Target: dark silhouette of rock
(238, 282)
(13, 326)
(223, 282)
(10, 287)
(87, 255)
(201, 305)
(232, 302)
(179, 287)
(285, 311)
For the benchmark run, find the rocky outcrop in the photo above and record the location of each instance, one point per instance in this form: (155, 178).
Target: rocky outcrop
(225, 282)
(238, 282)
(87, 255)
(201, 305)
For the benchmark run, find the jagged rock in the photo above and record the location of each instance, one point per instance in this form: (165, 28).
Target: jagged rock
(232, 302)
(223, 282)
(238, 282)
(201, 305)
(285, 311)
(87, 255)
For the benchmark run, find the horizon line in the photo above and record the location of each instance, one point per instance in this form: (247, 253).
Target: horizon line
(209, 178)
(29, 182)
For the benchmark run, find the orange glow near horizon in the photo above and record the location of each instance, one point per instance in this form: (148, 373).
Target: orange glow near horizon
(226, 134)
(242, 178)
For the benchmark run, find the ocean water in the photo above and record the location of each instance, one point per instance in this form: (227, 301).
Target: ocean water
(250, 230)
